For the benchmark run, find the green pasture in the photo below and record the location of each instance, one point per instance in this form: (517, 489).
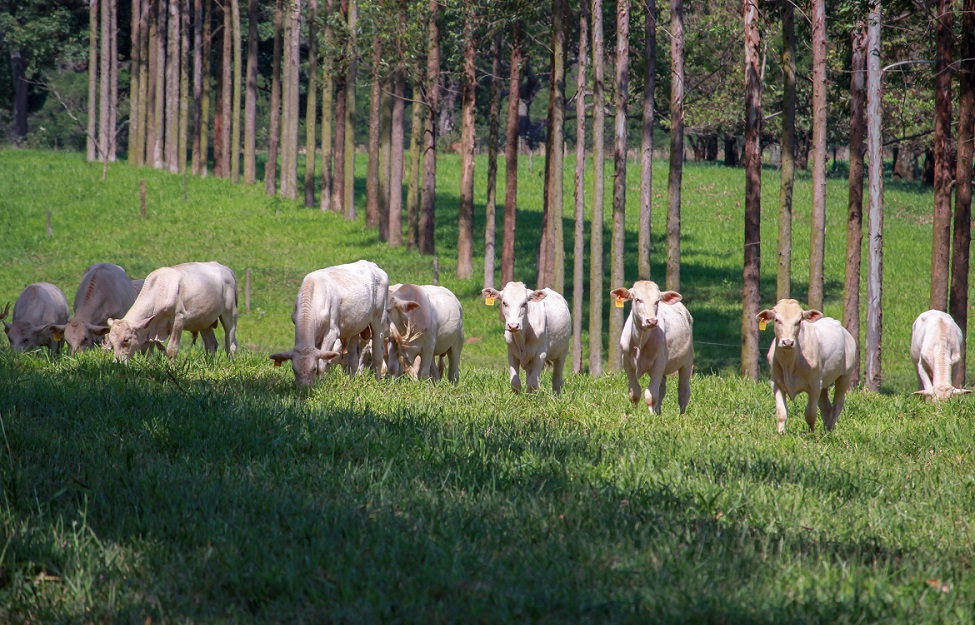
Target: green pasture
(207, 490)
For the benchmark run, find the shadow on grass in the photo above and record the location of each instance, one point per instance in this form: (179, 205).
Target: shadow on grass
(235, 499)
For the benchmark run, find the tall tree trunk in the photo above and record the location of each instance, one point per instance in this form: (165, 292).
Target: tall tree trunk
(159, 101)
(787, 173)
(511, 157)
(290, 112)
(149, 51)
(328, 63)
(396, 141)
(172, 88)
(18, 129)
(875, 248)
(599, 182)
(375, 123)
(350, 113)
(135, 67)
(413, 177)
(227, 92)
(113, 86)
(490, 208)
(92, 82)
(618, 244)
(579, 234)
(184, 85)
(311, 104)
(676, 143)
(197, 157)
(235, 105)
(250, 96)
(338, 179)
(817, 226)
(429, 188)
(104, 82)
(941, 245)
(465, 220)
(552, 192)
(385, 148)
(205, 108)
(646, 149)
(751, 274)
(854, 215)
(961, 243)
(274, 131)
(142, 110)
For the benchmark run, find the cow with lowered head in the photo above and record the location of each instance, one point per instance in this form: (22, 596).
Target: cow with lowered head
(105, 292)
(537, 329)
(425, 322)
(38, 310)
(937, 345)
(190, 297)
(810, 353)
(656, 340)
(334, 307)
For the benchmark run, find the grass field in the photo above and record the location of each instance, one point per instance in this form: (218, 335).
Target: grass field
(210, 491)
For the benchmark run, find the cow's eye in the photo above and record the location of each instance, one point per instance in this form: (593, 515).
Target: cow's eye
(638, 301)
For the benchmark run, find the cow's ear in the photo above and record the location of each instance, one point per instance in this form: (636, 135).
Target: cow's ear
(960, 391)
(923, 393)
(622, 294)
(328, 355)
(766, 315)
(406, 305)
(280, 357)
(670, 297)
(57, 331)
(110, 322)
(3, 315)
(812, 315)
(537, 296)
(6, 327)
(98, 330)
(490, 292)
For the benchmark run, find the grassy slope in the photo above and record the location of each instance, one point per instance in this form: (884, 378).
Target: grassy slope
(209, 492)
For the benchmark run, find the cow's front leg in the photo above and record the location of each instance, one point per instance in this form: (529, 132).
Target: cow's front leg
(811, 401)
(172, 348)
(632, 378)
(781, 407)
(513, 373)
(427, 360)
(653, 396)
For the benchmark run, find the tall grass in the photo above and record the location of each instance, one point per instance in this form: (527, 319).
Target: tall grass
(211, 491)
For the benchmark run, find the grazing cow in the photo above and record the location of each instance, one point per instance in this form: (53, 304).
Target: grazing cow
(38, 309)
(936, 349)
(105, 292)
(191, 297)
(810, 353)
(426, 322)
(333, 308)
(537, 330)
(656, 340)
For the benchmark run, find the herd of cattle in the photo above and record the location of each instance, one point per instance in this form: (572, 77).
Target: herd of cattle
(350, 315)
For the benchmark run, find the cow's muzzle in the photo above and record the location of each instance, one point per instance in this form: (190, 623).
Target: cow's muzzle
(787, 343)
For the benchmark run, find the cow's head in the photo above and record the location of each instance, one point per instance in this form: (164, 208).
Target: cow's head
(514, 297)
(942, 392)
(79, 334)
(646, 298)
(307, 363)
(127, 337)
(400, 313)
(24, 336)
(787, 315)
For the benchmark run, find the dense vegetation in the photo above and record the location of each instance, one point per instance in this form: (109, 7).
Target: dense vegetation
(210, 491)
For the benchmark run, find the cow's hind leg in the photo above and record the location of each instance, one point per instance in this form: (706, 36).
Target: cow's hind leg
(209, 341)
(534, 372)
(839, 399)
(684, 387)
(825, 408)
(229, 323)
(557, 366)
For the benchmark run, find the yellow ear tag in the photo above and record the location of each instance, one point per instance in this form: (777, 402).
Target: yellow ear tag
(761, 324)
(277, 363)
(619, 301)
(489, 300)
(55, 335)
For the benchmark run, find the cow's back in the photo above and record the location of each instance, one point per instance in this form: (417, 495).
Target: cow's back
(207, 291)
(41, 303)
(835, 348)
(449, 314)
(679, 334)
(935, 330)
(349, 297)
(558, 324)
(105, 291)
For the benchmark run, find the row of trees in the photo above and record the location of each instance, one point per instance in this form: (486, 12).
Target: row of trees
(425, 54)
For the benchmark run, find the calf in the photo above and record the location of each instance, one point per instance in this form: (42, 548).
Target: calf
(936, 349)
(810, 353)
(105, 292)
(537, 330)
(333, 308)
(191, 297)
(656, 340)
(38, 310)
(425, 322)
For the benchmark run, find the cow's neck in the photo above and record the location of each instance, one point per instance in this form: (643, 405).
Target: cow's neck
(941, 364)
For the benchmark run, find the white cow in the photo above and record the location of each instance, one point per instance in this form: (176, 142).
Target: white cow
(656, 340)
(936, 349)
(537, 330)
(105, 292)
(333, 308)
(810, 353)
(426, 322)
(191, 297)
(38, 309)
